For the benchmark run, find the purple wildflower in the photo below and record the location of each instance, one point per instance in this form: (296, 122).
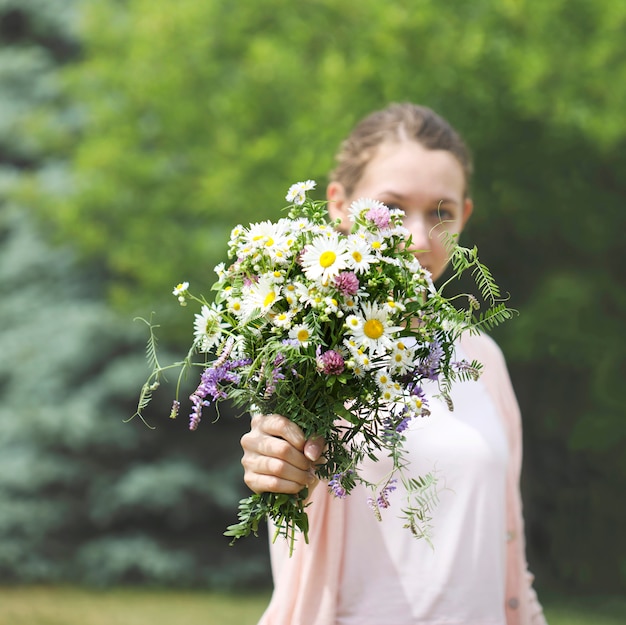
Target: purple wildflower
(211, 378)
(330, 362)
(403, 425)
(379, 215)
(393, 428)
(277, 374)
(347, 282)
(382, 501)
(429, 367)
(466, 368)
(290, 342)
(336, 484)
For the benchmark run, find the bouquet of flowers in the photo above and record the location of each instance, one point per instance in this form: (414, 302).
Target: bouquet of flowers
(337, 332)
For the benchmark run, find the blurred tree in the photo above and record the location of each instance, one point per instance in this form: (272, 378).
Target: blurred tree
(188, 118)
(84, 496)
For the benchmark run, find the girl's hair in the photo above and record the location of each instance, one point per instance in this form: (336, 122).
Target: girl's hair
(397, 122)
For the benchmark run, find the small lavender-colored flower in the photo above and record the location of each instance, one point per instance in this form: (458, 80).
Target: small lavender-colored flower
(382, 501)
(383, 497)
(403, 425)
(336, 484)
(277, 374)
(290, 342)
(347, 282)
(330, 362)
(429, 367)
(379, 215)
(464, 367)
(393, 429)
(210, 380)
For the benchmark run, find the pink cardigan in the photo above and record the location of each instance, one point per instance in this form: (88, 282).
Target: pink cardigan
(306, 584)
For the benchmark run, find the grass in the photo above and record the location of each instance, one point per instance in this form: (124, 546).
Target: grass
(75, 606)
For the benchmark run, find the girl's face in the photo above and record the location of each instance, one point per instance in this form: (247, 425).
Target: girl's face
(428, 185)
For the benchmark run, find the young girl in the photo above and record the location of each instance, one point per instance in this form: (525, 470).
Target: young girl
(357, 570)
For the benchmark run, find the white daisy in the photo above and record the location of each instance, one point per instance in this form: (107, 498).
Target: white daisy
(361, 207)
(325, 257)
(301, 333)
(331, 307)
(220, 270)
(208, 327)
(180, 289)
(291, 294)
(362, 360)
(266, 235)
(283, 319)
(309, 297)
(234, 305)
(378, 243)
(261, 295)
(360, 255)
(401, 357)
(372, 329)
(297, 192)
(392, 307)
(349, 304)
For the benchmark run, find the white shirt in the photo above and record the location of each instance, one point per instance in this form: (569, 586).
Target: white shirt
(388, 576)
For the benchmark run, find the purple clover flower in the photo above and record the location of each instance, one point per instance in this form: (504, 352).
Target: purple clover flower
(330, 362)
(380, 216)
(210, 380)
(347, 283)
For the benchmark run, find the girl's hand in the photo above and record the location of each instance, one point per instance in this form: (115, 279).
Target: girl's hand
(276, 456)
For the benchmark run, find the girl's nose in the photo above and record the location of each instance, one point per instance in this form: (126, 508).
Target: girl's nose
(420, 239)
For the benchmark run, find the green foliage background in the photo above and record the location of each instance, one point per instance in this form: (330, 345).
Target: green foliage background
(137, 133)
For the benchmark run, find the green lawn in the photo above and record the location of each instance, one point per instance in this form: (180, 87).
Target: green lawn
(72, 606)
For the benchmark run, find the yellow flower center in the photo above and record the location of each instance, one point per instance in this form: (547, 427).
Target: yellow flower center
(376, 245)
(327, 258)
(373, 329)
(358, 257)
(303, 335)
(269, 242)
(269, 298)
(236, 306)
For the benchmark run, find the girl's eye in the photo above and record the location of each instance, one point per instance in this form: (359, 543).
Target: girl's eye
(442, 214)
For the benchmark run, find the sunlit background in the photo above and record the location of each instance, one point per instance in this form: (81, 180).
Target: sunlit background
(135, 134)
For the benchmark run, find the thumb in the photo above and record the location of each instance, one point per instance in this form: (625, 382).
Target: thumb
(314, 447)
